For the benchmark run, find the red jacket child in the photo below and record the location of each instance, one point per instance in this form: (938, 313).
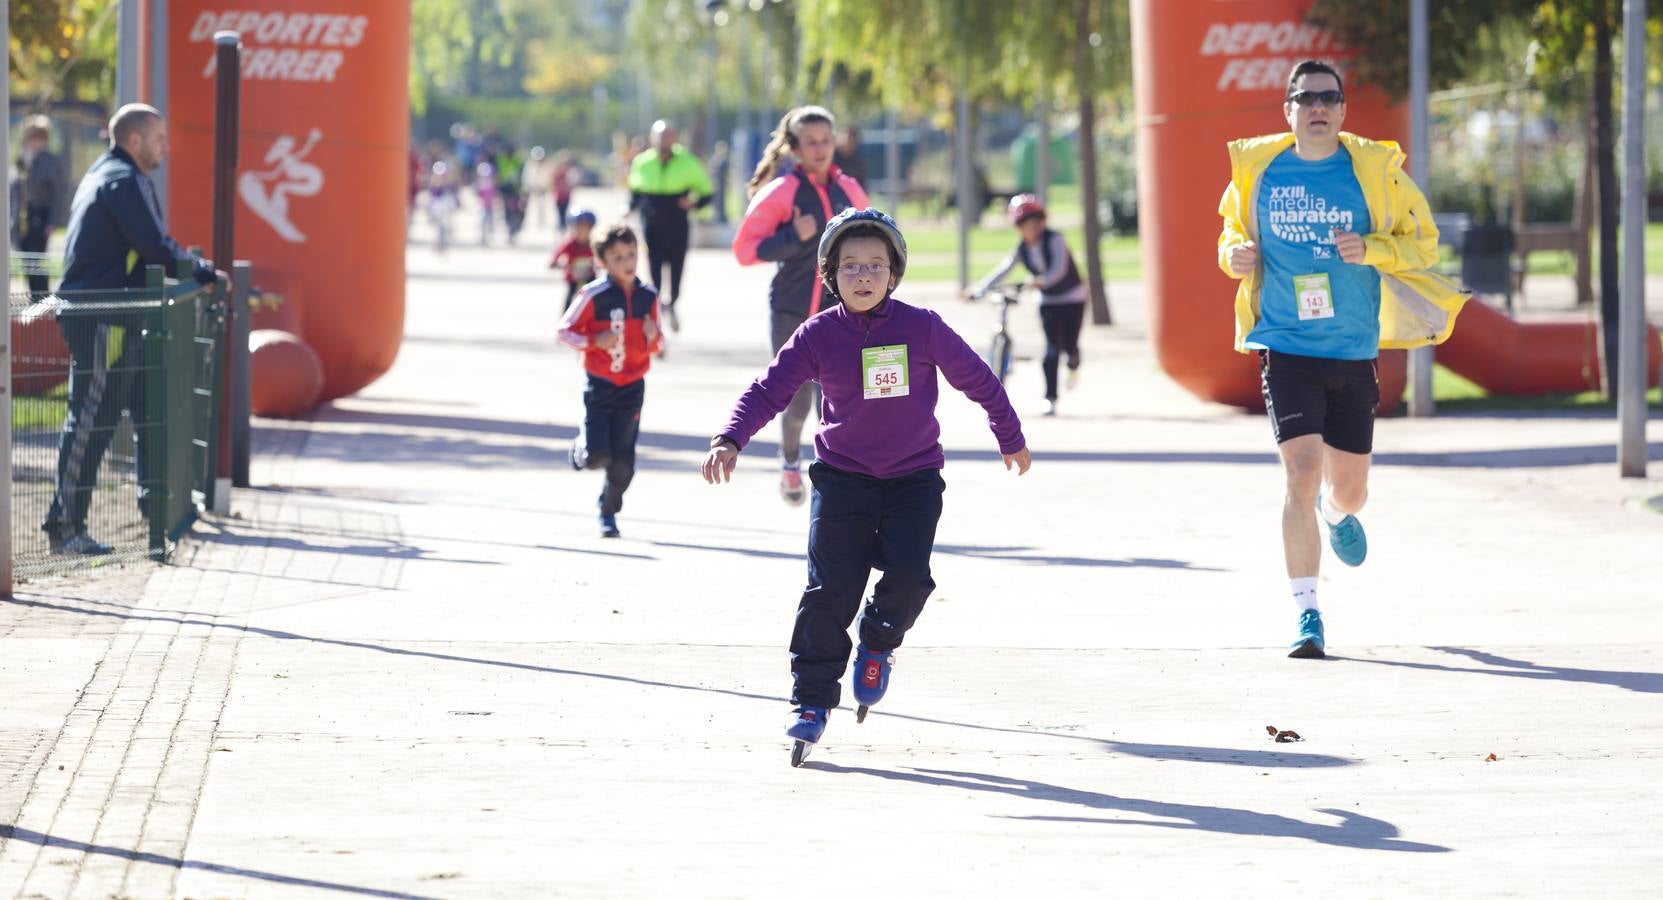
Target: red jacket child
(604, 305)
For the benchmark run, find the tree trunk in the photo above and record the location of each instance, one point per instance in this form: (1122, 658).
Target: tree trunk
(1085, 84)
(1610, 204)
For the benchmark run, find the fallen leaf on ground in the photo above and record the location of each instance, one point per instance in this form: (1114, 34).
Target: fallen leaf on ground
(1491, 758)
(1282, 736)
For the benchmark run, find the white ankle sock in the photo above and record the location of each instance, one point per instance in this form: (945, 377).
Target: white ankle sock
(1329, 514)
(1304, 592)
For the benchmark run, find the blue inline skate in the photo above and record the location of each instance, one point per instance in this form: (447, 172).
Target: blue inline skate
(871, 678)
(805, 731)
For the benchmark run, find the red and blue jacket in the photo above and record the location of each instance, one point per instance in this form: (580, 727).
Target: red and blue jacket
(767, 235)
(605, 305)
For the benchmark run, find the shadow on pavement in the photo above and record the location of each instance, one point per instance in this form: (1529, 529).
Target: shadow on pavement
(1353, 830)
(1516, 458)
(997, 554)
(13, 833)
(1219, 755)
(1641, 682)
(1019, 554)
(385, 549)
(404, 446)
(1229, 756)
(191, 619)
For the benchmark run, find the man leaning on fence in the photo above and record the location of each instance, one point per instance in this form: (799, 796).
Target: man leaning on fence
(115, 230)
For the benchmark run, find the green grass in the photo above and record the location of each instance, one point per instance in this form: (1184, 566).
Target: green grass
(1455, 394)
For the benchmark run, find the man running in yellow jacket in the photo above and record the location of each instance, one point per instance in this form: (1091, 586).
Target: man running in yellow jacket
(1334, 247)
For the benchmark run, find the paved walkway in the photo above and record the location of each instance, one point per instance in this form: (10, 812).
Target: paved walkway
(406, 665)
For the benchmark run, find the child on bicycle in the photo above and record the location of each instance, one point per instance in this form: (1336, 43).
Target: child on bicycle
(1062, 305)
(877, 483)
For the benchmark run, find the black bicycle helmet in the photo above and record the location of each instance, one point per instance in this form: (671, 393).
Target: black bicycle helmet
(852, 217)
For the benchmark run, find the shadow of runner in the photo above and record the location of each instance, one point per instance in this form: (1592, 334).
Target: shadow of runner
(1354, 830)
(994, 554)
(1640, 682)
(1228, 756)
(1219, 755)
(13, 833)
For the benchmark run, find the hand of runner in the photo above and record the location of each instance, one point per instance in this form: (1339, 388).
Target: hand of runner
(604, 340)
(1350, 246)
(1244, 258)
(719, 463)
(1021, 459)
(686, 201)
(804, 223)
(649, 330)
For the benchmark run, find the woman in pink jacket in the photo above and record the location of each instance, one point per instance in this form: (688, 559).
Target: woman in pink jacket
(782, 226)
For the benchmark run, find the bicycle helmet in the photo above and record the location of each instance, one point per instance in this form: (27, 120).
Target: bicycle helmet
(581, 215)
(849, 218)
(1024, 206)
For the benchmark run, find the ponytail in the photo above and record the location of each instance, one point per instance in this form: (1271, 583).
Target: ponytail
(783, 141)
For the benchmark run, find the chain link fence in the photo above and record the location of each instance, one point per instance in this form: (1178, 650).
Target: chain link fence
(113, 421)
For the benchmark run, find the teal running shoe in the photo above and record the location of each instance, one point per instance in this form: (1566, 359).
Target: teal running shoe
(1350, 544)
(1309, 643)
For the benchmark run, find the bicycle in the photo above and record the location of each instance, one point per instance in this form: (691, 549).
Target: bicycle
(1002, 349)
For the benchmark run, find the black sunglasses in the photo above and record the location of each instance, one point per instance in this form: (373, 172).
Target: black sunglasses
(1310, 98)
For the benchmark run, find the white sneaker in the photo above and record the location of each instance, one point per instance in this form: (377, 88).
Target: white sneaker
(791, 487)
(1072, 381)
(1050, 408)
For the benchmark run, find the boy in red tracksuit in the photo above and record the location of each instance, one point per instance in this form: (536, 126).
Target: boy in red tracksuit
(576, 254)
(614, 324)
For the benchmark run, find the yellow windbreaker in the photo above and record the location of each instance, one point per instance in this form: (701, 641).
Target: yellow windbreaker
(1417, 305)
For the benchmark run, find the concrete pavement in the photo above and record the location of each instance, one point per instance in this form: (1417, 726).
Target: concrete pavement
(407, 666)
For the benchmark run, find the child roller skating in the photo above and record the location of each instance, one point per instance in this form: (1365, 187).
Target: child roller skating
(877, 484)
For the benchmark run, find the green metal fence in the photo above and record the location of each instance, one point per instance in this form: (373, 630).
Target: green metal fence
(113, 421)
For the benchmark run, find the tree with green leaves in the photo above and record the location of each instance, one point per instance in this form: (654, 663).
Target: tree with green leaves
(919, 54)
(62, 49)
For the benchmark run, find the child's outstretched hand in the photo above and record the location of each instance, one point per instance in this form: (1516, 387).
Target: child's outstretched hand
(604, 340)
(719, 462)
(649, 330)
(1021, 459)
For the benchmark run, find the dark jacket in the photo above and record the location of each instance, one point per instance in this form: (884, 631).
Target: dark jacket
(115, 230)
(44, 184)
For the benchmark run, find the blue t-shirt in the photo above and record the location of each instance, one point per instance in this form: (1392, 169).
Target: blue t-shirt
(1299, 205)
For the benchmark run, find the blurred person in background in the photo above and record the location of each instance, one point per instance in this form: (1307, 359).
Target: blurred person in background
(42, 194)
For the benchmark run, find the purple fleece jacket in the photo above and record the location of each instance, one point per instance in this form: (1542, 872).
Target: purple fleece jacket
(884, 437)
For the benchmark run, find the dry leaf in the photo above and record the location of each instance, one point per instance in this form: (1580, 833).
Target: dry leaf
(1287, 737)
(1491, 758)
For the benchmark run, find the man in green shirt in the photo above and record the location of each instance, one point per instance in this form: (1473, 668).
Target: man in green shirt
(664, 184)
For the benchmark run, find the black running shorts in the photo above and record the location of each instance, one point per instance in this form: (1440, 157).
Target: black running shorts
(1335, 398)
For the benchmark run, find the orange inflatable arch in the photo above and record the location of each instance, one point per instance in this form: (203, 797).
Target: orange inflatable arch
(321, 183)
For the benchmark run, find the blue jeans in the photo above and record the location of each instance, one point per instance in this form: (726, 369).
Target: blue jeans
(857, 524)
